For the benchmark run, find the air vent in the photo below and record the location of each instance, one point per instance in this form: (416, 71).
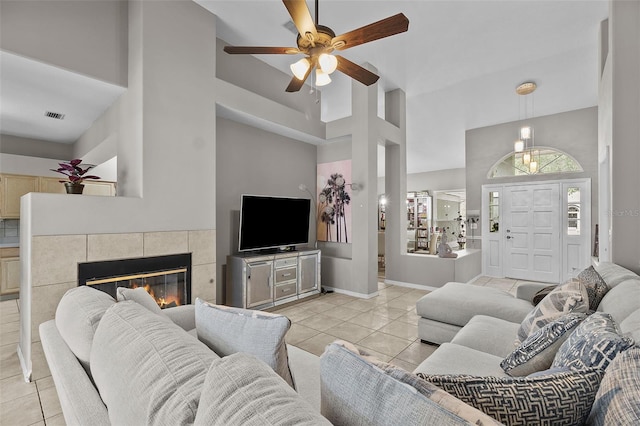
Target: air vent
(56, 115)
(291, 27)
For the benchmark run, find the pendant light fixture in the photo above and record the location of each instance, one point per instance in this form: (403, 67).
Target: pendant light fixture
(525, 142)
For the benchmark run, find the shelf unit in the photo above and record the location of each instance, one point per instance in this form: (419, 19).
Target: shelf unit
(419, 220)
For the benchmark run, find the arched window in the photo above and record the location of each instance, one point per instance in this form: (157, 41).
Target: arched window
(547, 160)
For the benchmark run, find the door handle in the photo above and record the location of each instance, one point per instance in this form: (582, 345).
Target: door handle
(509, 237)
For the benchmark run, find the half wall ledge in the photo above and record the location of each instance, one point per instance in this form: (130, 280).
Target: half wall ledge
(429, 272)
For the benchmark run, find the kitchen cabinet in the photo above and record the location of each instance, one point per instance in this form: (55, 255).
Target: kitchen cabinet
(9, 270)
(12, 187)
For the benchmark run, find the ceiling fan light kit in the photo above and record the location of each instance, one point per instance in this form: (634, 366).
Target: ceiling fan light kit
(318, 43)
(322, 78)
(299, 69)
(328, 63)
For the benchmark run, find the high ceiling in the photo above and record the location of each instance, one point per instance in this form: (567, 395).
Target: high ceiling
(459, 64)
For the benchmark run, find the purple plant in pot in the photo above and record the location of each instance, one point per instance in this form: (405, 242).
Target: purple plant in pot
(76, 173)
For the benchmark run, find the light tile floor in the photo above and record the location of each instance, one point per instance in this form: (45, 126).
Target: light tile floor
(385, 326)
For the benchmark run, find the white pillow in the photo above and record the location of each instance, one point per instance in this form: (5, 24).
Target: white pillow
(229, 330)
(140, 296)
(242, 390)
(77, 317)
(148, 370)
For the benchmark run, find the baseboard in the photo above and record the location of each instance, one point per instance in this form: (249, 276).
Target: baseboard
(474, 278)
(411, 285)
(26, 371)
(351, 293)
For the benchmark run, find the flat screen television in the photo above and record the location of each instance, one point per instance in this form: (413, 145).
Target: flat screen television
(268, 222)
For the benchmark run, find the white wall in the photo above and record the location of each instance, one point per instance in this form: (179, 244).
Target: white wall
(36, 166)
(17, 145)
(252, 161)
(620, 91)
(574, 132)
(432, 181)
(88, 37)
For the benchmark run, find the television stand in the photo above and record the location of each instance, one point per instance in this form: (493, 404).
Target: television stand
(263, 280)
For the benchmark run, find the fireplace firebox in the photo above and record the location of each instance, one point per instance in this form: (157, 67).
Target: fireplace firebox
(166, 278)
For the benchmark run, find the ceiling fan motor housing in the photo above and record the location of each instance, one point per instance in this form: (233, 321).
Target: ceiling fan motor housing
(322, 41)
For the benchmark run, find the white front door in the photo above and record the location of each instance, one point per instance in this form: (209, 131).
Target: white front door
(531, 220)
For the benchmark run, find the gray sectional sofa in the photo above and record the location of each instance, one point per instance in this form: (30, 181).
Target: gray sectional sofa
(121, 363)
(124, 363)
(478, 331)
(483, 322)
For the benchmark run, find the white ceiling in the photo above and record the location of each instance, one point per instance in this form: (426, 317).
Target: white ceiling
(459, 64)
(30, 88)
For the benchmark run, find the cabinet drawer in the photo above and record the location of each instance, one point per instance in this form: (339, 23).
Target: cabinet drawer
(285, 290)
(286, 274)
(289, 261)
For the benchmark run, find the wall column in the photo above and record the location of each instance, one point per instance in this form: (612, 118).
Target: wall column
(396, 183)
(364, 204)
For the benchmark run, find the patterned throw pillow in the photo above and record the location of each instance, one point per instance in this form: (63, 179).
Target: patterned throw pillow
(562, 398)
(229, 330)
(569, 297)
(358, 390)
(596, 287)
(617, 399)
(538, 350)
(541, 294)
(594, 344)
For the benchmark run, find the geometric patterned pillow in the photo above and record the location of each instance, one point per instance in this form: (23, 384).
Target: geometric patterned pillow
(596, 287)
(594, 344)
(617, 398)
(563, 398)
(569, 297)
(538, 350)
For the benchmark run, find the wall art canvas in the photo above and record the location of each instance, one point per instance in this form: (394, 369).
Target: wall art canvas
(334, 202)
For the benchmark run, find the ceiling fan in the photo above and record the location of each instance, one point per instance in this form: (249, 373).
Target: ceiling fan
(317, 42)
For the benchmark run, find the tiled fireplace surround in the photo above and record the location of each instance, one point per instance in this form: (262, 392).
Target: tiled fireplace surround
(55, 259)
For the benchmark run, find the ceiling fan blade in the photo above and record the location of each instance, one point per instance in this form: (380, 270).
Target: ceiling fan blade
(296, 84)
(261, 50)
(356, 72)
(301, 16)
(392, 25)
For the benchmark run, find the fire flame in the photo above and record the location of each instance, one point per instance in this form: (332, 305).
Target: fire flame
(172, 300)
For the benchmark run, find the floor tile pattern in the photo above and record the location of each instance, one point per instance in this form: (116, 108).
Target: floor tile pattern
(384, 326)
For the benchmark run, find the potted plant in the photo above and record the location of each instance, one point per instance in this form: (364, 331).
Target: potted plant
(76, 173)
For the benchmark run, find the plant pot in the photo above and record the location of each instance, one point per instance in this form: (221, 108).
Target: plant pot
(73, 188)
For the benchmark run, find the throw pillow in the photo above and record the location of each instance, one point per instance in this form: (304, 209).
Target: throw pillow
(242, 390)
(229, 330)
(569, 297)
(595, 285)
(541, 294)
(148, 371)
(538, 350)
(594, 344)
(140, 296)
(77, 317)
(617, 399)
(357, 389)
(562, 398)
